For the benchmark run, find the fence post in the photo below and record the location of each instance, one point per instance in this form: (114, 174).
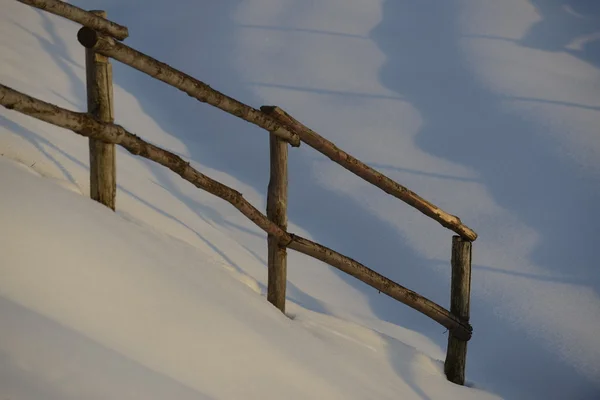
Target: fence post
(277, 213)
(103, 180)
(460, 292)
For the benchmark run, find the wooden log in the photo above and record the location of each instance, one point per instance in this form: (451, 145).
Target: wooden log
(193, 87)
(103, 169)
(80, 16)
(460, 298)
(383, 284)
(277, 213)
(84, 125)
(369, 174)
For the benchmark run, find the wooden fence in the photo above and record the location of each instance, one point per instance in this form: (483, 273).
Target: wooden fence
(101, 39)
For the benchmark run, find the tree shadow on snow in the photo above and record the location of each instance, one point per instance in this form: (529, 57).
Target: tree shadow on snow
(572, 26)
(465, 123)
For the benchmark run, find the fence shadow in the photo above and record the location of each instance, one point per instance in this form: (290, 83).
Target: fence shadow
(57, 49)
(39, 142)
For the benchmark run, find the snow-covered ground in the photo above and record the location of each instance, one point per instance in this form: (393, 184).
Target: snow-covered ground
(95, 306)
(489, 109)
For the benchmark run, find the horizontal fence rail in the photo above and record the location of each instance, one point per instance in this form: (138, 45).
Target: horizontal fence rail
(81, 16)
(84, 125)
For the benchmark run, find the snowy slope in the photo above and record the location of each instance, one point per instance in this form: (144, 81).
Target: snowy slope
(94, 306)
(489, 109)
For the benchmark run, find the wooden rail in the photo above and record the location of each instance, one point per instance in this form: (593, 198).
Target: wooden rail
(98, 37)
(80, 16)
(369, 174)
(294, 131)
(84, 125)
(109, 47)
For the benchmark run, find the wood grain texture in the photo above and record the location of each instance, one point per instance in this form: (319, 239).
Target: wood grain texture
(103, 169)
(277, 212)
(460, 295)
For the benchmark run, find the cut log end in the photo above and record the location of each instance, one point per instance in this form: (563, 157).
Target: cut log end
(295, 141)
(87, 37)
(467, 233)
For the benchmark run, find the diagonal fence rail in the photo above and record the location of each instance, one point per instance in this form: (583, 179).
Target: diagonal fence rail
(79, 15)
(285, 126)
(85, 125)
(98, 37)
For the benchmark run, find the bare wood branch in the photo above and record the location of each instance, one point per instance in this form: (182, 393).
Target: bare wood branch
(460, 299)
(369, 174)
(86, 126)
(193, 87)
(277, 213)
(103, 168)
(80, 16)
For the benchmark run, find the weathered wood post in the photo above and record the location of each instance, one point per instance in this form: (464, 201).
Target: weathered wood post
(277, 213)
(103, 179)
(460, 295)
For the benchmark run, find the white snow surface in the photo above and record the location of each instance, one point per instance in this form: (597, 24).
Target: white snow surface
(489, 109)
(95, 306)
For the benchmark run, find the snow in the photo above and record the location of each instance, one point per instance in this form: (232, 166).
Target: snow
(94, 306)
(489, 109)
